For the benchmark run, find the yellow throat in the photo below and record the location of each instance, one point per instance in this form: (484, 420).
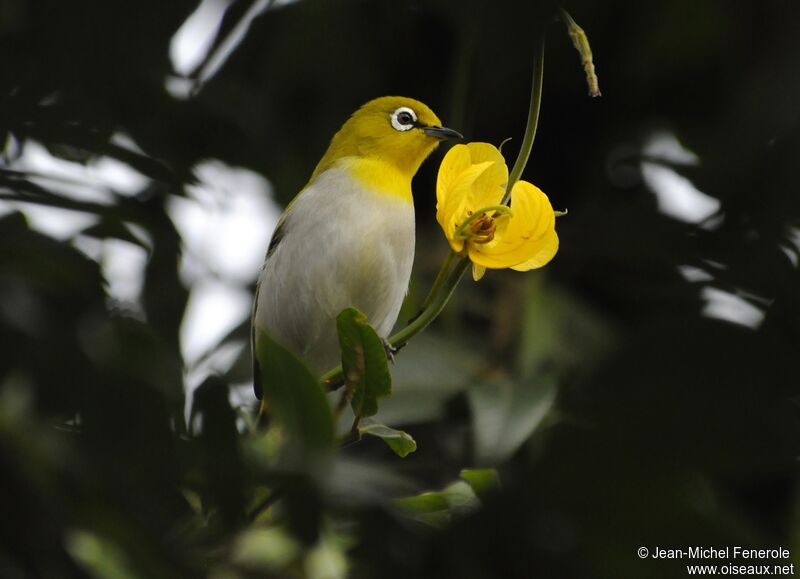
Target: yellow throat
(384, 142)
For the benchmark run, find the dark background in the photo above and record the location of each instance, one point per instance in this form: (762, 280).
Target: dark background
(620, 408)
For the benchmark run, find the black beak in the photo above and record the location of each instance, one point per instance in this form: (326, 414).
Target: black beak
(442, 133)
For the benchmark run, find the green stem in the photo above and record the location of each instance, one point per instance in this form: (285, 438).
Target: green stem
(441, 276)
(441, 291)
(333, 379)
(265, 504)
(436, 302)
(443, 288)
(533, 121)
(353, 435)
(581, 43)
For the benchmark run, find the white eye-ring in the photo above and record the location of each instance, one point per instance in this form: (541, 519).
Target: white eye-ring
(404, 119)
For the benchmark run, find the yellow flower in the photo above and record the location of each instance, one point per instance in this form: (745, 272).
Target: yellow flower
(469, 192)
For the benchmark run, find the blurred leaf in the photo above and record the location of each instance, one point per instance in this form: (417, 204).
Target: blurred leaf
(48, 290)
(400, 442)
(482, 480)
(241, 370)
(428, 372)
(505, 414)
(77, 144)
(431, 508)
(239, 333)
(219, 439)
(270, 549)
(366, 369)
(164, 295)
(127, 349)
(439, 508)
(560, 334)
(100, 557)
(327, 560)
(367, 482)
(116, 229)
(294, 396)
(461, 497)
(235, 24)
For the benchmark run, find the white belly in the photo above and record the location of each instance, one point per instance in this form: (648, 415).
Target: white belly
(341, 246)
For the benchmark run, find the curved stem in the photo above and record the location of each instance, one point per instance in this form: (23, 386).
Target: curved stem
(581, 44)
(437, 298)
(440, 294)
(265, 504)
(533, 121)
(436, 303)
(333, 379)
(440, 277)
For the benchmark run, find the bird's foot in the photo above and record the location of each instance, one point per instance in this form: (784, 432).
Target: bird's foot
(390, 350)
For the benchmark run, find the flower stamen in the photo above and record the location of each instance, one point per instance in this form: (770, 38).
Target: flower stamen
(480, 227)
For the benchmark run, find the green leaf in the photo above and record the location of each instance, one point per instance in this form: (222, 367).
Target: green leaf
(100, 556)
(505, 415)
(438, 508)
(461, 498)
(400, 442)
(432, 370)
(482, 480)
(559, 337)
(268, 549)
(430, 508)
(294, 396)
(327, 559)
(428, 502)
(364, 363)
(219, 443)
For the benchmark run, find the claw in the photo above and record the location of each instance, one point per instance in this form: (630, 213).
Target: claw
(390, 350)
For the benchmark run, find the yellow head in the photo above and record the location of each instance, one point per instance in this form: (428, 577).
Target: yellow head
(398, 131)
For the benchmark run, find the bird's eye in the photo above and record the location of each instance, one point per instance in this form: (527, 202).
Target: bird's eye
(403, 119)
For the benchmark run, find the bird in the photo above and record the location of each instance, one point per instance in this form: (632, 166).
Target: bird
(348, 237)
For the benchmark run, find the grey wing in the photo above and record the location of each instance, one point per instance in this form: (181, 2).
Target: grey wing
(277, 236)
(256, 367)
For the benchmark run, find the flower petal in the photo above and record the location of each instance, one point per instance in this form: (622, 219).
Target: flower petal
(478, 271)
(532, 204)
(456, 161)
(490, 187)
(543, 257)
(454, 206)
(528, 240)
